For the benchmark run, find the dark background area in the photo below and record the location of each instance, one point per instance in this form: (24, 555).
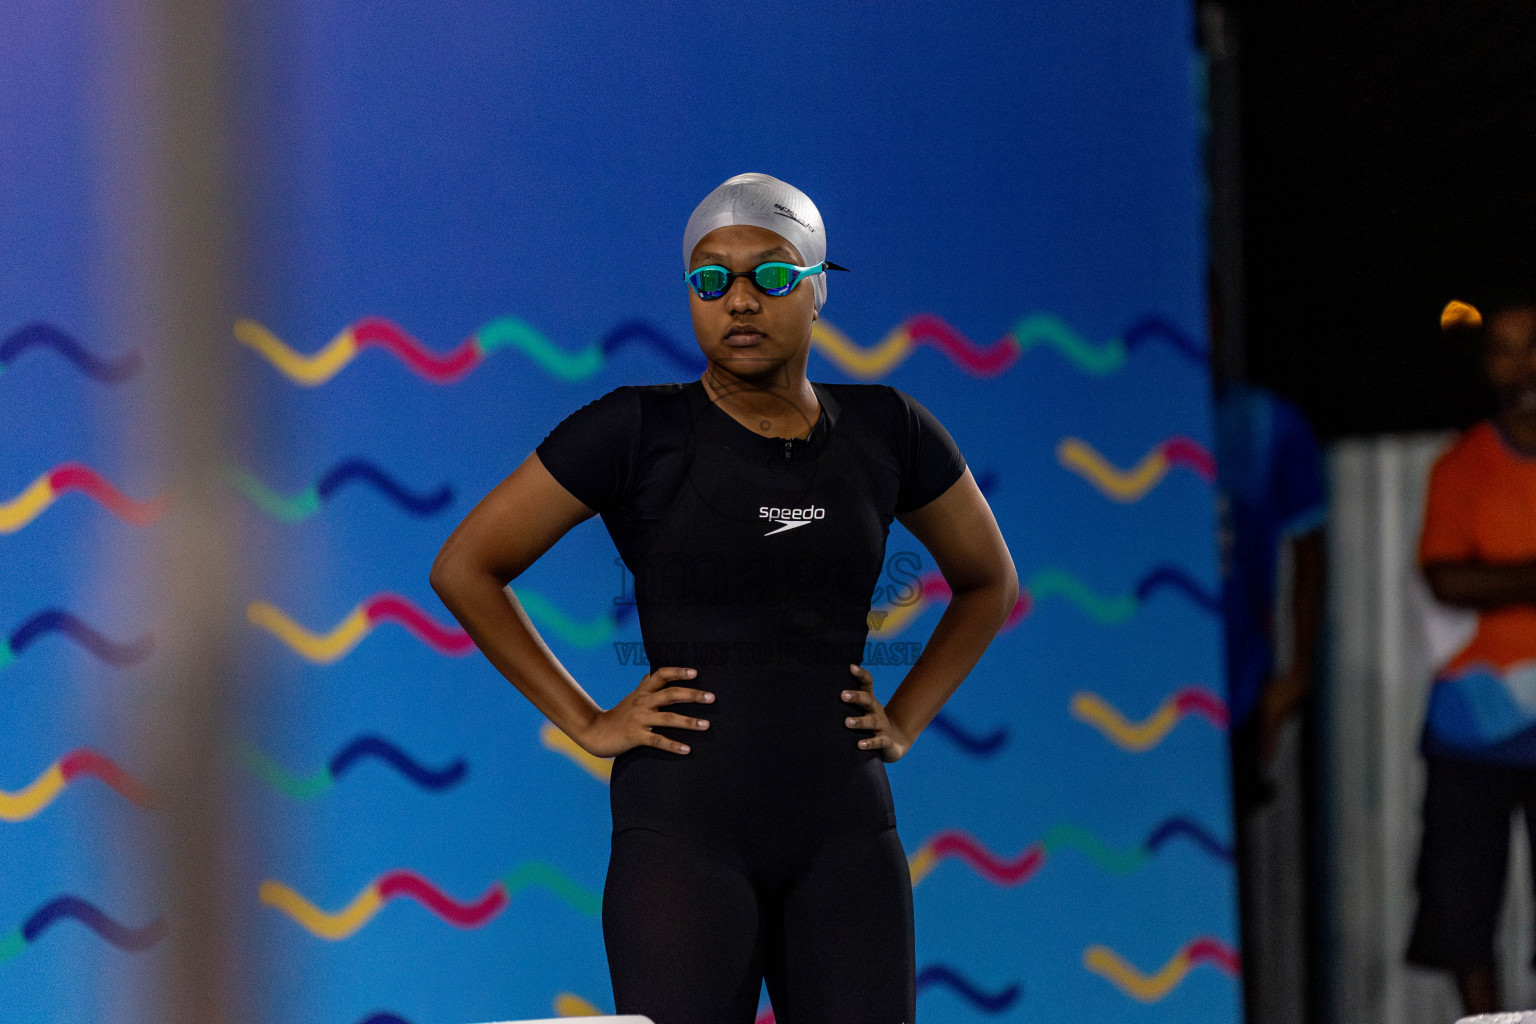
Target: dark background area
(1387, 155)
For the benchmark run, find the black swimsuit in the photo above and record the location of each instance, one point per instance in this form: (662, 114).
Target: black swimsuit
(769, 851)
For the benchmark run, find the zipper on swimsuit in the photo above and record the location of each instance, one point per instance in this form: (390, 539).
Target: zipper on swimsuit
(788, 447)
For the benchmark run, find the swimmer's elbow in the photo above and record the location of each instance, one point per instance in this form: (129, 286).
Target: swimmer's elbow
(448, 573)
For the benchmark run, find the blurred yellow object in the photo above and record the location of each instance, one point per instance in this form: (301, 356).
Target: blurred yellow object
(1460, 316)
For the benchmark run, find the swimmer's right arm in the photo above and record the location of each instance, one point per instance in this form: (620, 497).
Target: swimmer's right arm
(505, 533)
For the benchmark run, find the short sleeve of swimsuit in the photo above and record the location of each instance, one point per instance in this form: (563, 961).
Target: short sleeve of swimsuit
(931, 461)
(591, 452)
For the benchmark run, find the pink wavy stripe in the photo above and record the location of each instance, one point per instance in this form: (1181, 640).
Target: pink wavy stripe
(445, 639)
(1181, 451)
(1202, 702)
(989, 865)
(72, 476)
(1208, 950)
(936, 589)
(463, 915)
(986, 362)
(440, 368)
(85, 761)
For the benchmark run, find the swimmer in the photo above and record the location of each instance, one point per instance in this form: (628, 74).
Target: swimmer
(754, 834)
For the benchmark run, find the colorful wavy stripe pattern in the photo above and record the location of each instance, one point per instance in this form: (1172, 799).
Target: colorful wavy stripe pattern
(1037, 330)
(344, 923)
(1054, 583)
(47, 336)
(324, 648)
(55, 620)
(1149, 988)
(984, 745)
(72, 476)
(1018, 870)
(320, 781)
(1135, 483)
(84, 762)
(447, 367)
(298, 507)
(132, 940)
(1152, 730)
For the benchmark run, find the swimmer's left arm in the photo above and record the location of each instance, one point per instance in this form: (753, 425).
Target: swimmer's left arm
(959, 531)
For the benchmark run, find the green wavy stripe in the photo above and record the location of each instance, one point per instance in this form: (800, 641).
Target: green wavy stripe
(1045, 329)
(1116, 862)
(1060, 583)
(510, 332)
(546, 616)
(538, 873)
(12, 945)
(6, 654)
(285, 510)
(286, 783)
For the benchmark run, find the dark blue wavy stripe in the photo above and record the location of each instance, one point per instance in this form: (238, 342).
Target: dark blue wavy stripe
(377, 746)
(1180, 826)
(1155, 328)
(940, 974)
(986, 482)
(56, 620)
(360, 469)
(980, 746)
(384, 1018)
(639, 330)
(43, 335)
(1178, 579)
(132, 939)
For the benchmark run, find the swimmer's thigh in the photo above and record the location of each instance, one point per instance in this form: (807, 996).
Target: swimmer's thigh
(846, 953)
(680, 928)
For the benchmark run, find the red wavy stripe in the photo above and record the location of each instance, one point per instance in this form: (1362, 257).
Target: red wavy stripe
(86, 761)
(935, 588)
(440, 368)
(1181, 451)
(988, 864)
(986, 362)
(1208, 950)
(393, 607)
(461, 915)
(1202, 702)
(73, 476)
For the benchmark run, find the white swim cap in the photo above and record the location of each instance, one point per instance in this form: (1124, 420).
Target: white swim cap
(766, 202)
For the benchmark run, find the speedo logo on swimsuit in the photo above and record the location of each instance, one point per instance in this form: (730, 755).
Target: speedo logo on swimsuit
(791, 518)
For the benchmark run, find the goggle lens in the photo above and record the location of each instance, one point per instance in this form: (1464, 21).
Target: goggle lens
(770, 278)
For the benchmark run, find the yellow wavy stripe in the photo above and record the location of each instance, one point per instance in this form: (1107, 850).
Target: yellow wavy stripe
(302, 369)
(25, 803)
(1122, 485)
(335, 926)
(568, 1005)
(920, 863)
(601, 768)
(860, 362)
(896, 618)
(1134, 736)
(323, 648)
(1148, 988)
(27, 505)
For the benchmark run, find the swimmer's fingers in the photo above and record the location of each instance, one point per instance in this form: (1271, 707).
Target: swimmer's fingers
(658, 678)
(875, 720)
(676, 721)
(656, 739)
(863, 675)
(879, 742)
(680, 695)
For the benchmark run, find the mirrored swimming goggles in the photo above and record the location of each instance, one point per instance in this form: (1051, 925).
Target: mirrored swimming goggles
(769, 278)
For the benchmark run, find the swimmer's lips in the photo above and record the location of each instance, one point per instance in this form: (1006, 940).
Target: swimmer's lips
(742, 337)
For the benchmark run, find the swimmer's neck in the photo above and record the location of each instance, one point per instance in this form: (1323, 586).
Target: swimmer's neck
(778, 404)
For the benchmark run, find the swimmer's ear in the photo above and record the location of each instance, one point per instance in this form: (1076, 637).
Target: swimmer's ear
(1460, 318)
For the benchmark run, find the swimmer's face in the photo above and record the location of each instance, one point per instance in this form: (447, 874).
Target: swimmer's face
(1509, 357)
(749, 333)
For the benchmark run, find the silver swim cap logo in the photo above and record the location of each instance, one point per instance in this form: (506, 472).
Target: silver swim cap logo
(784, 211)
